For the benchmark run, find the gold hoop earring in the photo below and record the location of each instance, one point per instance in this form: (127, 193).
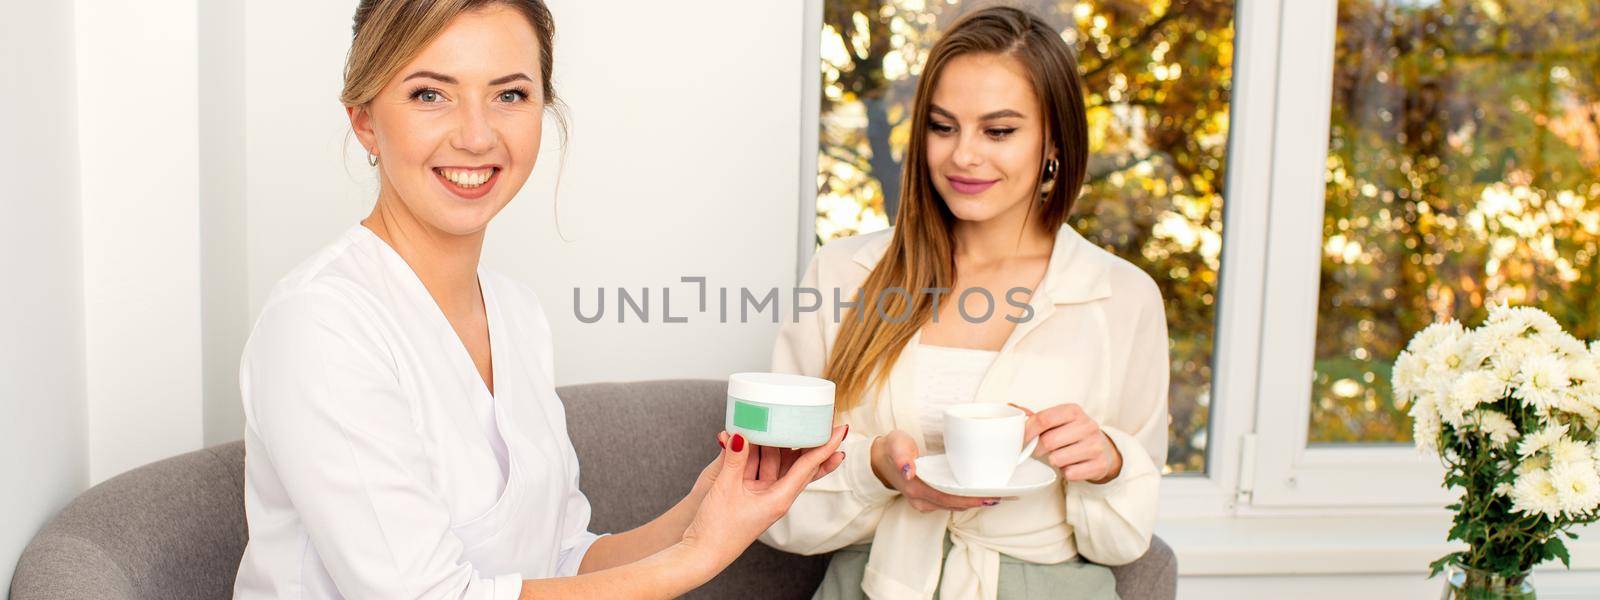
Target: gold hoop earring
(372, 159)
(1047, 182)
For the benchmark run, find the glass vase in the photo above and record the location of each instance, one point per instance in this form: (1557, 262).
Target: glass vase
(1473, 584)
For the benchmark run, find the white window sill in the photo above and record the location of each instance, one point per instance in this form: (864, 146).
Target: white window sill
(1332, 545)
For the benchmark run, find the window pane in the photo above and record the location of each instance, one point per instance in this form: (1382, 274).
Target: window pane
(1463, 169)
(1158, 78)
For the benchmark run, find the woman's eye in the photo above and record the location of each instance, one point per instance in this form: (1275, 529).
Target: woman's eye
(513, 96)
(1001, 133)
(940, 128)
(426, 95)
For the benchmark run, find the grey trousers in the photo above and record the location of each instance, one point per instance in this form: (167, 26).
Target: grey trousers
(1019, 579)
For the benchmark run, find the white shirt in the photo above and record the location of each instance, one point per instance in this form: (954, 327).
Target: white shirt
(1097, 337)
(371, 458)
(946, 377)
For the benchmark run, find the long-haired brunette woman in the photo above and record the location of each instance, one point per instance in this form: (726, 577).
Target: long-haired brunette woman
(982, 293)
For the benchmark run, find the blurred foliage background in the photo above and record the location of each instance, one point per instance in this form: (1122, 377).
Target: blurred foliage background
(1463, 170)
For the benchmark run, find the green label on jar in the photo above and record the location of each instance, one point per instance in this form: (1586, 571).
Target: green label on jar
(749, 416)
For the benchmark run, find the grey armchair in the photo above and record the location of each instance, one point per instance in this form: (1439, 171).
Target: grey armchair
(176, 529)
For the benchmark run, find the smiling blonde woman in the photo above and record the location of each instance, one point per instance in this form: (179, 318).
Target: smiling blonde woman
(403, 436)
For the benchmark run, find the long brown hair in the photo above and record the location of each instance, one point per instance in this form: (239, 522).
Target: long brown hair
(920, 254)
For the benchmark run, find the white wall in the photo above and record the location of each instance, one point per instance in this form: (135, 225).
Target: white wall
(683, 161)
(224, 290)
(43, 435)
(138, 137)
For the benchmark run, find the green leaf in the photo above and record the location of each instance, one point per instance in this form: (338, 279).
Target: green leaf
(1444, 561)
(1556, 548)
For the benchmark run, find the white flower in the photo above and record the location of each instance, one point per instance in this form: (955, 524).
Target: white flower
(1539, 320)
(1577, 487)
(1455, 353)
(1584, 365)
(1499, 429)
(1567, 451)
(1431, 336)
(1584, 408)
(1537, 463)
(1542, 382)
(1539, 440)
(1477, 387)
(1570, 347)
(1523, 319)
(1535, 493)
(1407, 379)
(1504, 348)
(1425, 426)
(1449, 410)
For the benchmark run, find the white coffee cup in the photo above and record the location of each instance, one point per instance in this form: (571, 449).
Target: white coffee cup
(983, 443)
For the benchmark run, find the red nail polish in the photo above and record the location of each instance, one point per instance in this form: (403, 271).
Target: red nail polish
(720, 443)
(847, 430)
(738, 443)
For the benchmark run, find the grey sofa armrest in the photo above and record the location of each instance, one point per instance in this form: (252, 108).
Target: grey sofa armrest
(170, 529)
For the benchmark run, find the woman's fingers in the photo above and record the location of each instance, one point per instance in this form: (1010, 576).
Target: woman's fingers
(829, 466)
(735, 457)
(788, 456)
(918, 492)
(1051, 418)
(1065, 435)
(958, 503)
(903, 453)
(1085, 471)
(805, 467)
(771, 462)
(752, 466)
(1080, 452)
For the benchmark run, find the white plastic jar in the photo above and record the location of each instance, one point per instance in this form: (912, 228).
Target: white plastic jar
(780, 410)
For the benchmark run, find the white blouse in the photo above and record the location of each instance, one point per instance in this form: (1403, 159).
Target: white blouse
(1096, 337)
(946, 377)
(377, 463)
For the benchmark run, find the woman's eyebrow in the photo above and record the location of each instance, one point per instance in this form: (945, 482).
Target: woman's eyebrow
(431, 75)
(452, 81)
(999, 114)
(512, 77)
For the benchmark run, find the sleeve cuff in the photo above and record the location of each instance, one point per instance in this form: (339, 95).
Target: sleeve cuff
(1136, 464)
(858, 474)
(508, 586)
(572, 556)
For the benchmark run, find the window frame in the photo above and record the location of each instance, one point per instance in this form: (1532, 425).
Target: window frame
(1289, 471)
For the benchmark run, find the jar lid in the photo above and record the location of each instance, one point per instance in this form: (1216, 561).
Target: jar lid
(781, 388)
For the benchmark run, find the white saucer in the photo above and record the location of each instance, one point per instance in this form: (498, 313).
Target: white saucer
(1030, 476)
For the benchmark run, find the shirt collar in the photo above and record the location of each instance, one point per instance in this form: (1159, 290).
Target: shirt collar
(1078, 270)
